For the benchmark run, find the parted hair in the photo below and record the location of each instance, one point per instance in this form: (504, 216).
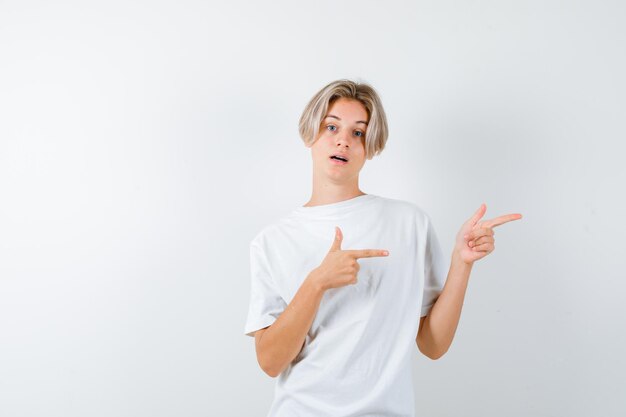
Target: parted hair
(312, 115)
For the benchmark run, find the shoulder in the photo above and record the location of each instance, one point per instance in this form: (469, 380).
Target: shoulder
(270, 232)
(263, 235)
(406, 208)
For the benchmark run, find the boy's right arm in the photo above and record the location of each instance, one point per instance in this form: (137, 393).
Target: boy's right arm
(279, 344)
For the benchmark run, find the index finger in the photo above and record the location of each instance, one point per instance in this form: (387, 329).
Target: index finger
(502, 219)
(367, 253)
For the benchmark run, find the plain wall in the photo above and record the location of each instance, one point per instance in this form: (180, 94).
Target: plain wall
(144, 143)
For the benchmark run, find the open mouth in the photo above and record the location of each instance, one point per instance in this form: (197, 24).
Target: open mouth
(339, 159)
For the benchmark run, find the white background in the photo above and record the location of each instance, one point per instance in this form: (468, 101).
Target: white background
(143, 144)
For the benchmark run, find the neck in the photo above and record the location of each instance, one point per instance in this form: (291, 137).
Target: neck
(328, 192)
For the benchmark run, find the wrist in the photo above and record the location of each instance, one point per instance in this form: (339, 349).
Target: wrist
(457, 261)
(315, 282)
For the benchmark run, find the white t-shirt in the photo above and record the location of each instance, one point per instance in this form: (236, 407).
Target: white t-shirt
(356, 359)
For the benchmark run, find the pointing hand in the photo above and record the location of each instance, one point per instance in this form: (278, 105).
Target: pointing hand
(475, 239)
(340, 267)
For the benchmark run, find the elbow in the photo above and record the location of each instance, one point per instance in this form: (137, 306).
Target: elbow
(435, 357)
(272, 370)
(269, 371)
(264, 359)
(431, 353)
(273, 363)
(432, 356)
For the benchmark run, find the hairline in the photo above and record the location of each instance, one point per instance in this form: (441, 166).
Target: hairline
(332, 115)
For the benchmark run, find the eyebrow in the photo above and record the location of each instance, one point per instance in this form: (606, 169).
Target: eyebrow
(332, 115)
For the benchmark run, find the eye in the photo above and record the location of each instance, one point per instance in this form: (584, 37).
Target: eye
(327, 126)
(360, 134)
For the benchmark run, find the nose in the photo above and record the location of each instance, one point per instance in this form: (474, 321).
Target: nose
(342, 140)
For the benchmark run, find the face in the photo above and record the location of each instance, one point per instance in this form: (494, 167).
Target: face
(342, 132)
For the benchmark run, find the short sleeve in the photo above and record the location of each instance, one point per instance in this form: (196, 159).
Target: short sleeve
(434, 269)
(266, 304)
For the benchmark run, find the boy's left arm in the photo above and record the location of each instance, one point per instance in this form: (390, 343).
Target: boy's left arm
(437, 329)
(474, 241)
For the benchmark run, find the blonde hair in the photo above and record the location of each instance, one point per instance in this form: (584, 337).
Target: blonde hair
(312, 115)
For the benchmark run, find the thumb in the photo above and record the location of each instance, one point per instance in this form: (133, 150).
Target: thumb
(478, 214)
(337, 242)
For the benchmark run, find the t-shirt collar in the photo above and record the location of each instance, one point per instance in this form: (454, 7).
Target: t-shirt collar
(334, 208)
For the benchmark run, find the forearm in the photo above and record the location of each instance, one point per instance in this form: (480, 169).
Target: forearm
(436, 335)
(283, 340)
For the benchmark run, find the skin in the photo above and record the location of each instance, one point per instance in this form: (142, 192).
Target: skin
(278, 344)
(474, 241)
(332, 182)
